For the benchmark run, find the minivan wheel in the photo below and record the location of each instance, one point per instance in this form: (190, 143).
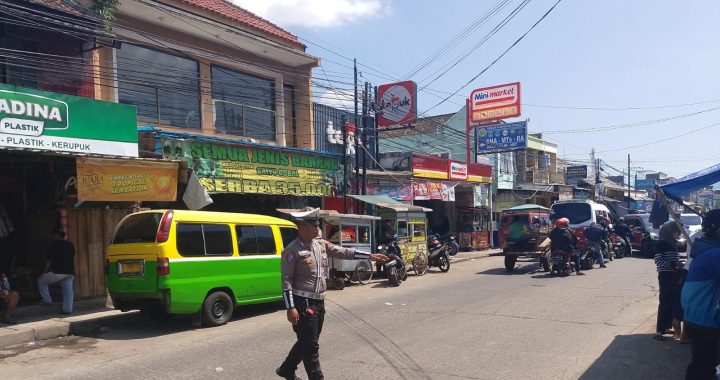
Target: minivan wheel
(217, 309)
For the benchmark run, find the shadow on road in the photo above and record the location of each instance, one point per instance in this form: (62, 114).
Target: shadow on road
(639, 356)
(519, 270)
(149, 327)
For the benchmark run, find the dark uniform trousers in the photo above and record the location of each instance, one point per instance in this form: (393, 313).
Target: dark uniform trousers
(308, 331)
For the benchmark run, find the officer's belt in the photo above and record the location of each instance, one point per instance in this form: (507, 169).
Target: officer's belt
(305, 294)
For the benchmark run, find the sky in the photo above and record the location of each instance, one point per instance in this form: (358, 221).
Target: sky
(621, 77)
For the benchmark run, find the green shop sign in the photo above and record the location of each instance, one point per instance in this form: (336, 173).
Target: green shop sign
(232, 168)
(64, 123)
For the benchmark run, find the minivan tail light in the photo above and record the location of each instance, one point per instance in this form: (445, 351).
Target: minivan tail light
(163, 266)
(163, 232)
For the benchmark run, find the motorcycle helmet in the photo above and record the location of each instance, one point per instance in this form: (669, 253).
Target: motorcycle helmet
(562, 222)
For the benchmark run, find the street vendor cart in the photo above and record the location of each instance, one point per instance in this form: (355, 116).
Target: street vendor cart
(405, 223)
(351, 231)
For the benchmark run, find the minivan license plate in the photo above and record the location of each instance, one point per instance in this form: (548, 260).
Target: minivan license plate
(130, 267)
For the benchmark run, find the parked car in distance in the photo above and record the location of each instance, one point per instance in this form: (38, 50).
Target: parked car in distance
(692, 224)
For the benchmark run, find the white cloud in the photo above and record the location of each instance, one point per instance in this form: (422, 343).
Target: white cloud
(312, 13)
(340, 99)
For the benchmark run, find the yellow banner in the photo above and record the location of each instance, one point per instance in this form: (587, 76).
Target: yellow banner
(100, 179)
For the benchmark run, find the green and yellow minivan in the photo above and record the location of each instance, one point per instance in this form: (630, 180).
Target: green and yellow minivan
(186, 262)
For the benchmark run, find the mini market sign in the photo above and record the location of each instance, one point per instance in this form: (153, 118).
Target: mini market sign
(42, 120)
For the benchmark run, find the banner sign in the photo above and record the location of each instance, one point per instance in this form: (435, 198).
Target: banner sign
(575, 173)
(644, 184)
(495, 103)
(502, 137)
(233, 168)
(458, 171)
(421, 192)
(397, 103)
(101, 179)
(392, 190)
(35, 119)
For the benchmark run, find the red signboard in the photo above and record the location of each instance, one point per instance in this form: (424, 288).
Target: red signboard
(495, 103)
(457, 171)
(397, 103)
(429, 167)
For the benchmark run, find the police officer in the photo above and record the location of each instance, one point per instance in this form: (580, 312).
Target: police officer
(304, 269)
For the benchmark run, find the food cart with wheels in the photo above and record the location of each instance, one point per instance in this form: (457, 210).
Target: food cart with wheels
(405, 223)
(350, 231)
(473, 226)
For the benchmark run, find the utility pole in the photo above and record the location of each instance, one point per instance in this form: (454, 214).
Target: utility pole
(365, 117)
(356, 184)
(628, 185)
(344, 161)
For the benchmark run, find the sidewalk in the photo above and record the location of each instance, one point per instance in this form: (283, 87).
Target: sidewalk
(41, 322)
(37, 323)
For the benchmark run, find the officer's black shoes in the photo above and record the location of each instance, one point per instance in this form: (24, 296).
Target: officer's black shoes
(285, 375)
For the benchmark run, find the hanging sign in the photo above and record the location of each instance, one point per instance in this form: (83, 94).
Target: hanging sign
(502, 137)
(495, 103)
(397, 103)
(101, 179)
(234, 168)
(49, 121)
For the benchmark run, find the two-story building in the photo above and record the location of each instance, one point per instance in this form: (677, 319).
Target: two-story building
(108, 107)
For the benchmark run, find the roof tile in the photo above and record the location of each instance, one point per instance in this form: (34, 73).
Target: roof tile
(237, 14)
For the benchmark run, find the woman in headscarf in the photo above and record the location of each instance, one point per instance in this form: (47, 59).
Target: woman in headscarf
(667, 261)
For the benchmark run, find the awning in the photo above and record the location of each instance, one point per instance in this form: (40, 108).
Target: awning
(387, 202)
(527, 207)
(692, 182)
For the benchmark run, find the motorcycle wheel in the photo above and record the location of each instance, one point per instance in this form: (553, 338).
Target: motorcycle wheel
(510, 261)
(554, 270)
(393, 277)
(620, 252)
(645, 249)
(588, 263)
(453, 248)
(443, 263)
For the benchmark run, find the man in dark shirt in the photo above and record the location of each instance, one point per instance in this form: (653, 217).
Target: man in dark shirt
(563, 239)
(59, 267)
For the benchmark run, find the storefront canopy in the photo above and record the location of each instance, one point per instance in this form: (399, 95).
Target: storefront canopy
(692, 182)
(527, 207)
(387, 202)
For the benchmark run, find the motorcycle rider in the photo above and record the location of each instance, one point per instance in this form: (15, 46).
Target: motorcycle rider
(562, 238)
(623, 231)
(594, 235)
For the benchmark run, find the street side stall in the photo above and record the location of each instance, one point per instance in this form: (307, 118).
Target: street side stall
(405, 223)
(348, 231)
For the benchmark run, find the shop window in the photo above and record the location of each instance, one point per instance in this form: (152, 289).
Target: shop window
(255, 240)
(402, 228)
(23, 75)
(165, 88)
(288, 235)
(243, 104)
(418, 231)
(387, 231)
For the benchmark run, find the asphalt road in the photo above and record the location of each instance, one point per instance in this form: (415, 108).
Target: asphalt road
(474, 322)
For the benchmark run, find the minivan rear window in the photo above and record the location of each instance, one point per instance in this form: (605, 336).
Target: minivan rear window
(575, 212)
(138, 228)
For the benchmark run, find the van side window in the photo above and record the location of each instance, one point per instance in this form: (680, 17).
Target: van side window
(255, 240)
(288, 235)
(203, 239)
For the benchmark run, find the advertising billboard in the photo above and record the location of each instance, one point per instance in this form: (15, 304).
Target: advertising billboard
(495, 103)
(397, 103)
(502, 137)
(575, 173)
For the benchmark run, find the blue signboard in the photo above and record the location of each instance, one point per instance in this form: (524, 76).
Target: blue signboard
(501, 138)
(644, 184)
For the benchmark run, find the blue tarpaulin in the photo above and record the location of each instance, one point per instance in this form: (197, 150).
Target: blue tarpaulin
(692, 182)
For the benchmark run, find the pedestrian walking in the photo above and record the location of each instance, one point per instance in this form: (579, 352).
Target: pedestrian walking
(701, 299)
(667, 261)
(304, 269)
(59, 267)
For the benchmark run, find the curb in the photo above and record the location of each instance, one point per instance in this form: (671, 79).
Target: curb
(32, 332)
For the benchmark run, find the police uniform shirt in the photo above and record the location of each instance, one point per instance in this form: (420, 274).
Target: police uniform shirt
(304, 268)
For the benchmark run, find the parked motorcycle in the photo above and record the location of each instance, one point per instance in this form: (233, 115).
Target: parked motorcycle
(561, 264)
(618, 246)
(394, 268)
(588, 257)
(438, 253)
(453, 246)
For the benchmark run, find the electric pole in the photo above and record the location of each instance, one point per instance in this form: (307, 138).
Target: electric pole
(628, 184)
(356, 184)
